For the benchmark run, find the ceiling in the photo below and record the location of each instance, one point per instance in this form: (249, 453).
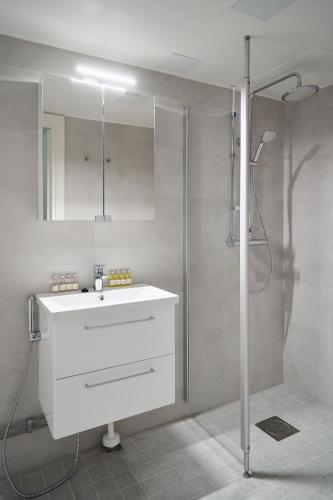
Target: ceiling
(146, 32)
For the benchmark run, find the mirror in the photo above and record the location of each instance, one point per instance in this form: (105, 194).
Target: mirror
(97, 152)
(129, 156)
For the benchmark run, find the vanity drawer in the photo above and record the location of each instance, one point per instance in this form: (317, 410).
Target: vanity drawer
(101, 341)
(86, 401)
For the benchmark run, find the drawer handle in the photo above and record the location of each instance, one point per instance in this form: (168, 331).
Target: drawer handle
(150, 318)
(90, 386)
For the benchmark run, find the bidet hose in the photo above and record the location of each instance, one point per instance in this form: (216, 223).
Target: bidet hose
(269, 276)
(4, 442)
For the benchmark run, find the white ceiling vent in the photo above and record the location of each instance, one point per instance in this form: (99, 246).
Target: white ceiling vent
(134, 99)
(260, 9)
(178, 63)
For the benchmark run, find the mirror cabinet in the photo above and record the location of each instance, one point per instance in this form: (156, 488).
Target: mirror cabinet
(97, 152)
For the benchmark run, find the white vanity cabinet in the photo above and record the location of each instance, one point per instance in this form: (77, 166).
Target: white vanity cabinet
(105, 356)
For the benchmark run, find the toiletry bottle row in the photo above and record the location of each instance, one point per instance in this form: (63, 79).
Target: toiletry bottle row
(64, 282)
(120, 277)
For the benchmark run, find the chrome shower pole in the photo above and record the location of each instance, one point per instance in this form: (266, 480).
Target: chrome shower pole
(103, 152)
(186, 258)
(244, 257)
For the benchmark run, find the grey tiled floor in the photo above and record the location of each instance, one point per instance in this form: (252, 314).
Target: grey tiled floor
(200, 457)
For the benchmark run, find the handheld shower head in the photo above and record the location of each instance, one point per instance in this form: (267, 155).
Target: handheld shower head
(268, 136)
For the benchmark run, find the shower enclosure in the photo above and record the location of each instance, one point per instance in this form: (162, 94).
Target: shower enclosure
(213, 372)
(247, 169)
(234, 191)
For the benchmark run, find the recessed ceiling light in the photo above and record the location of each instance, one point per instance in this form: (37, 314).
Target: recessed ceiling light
(260, 9)
(179, 63)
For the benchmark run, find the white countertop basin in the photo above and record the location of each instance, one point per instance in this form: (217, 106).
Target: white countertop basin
(107, 300)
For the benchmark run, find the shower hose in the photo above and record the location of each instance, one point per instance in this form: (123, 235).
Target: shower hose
(4, 442)
(270, 273)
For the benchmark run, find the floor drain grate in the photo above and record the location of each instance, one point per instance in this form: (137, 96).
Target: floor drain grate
(277, 428)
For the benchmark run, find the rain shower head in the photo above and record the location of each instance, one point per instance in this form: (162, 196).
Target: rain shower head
(268, 136)
(300, 93)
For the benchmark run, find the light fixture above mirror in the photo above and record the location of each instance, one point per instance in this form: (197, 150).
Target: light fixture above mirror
(96, 83)
(106, 76)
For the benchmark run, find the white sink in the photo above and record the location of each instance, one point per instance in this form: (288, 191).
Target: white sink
(115, 299)
(105, 356)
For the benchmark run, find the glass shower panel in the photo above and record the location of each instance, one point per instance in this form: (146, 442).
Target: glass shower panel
(214, 267)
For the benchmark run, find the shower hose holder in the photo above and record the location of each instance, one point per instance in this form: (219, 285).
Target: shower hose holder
(34, 335)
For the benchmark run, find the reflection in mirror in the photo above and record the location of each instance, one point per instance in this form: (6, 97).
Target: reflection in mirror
(72, 150)
(98, 152)
(129, 156)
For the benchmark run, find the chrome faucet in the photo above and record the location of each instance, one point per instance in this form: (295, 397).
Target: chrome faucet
(99, 276)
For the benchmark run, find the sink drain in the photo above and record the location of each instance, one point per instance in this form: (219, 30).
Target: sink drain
(277, 428)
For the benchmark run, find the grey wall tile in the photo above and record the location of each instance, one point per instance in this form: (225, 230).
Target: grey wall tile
(209, 134)
(312, 306)
(307, 241)
(169, 171)
(210, 176)
(169, 128)
(311, 349)
(16, 96)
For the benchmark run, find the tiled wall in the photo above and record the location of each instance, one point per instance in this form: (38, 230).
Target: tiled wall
(308, 242)
(32, 250)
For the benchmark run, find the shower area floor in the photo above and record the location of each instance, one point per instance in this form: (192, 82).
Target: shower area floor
(200, 457)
